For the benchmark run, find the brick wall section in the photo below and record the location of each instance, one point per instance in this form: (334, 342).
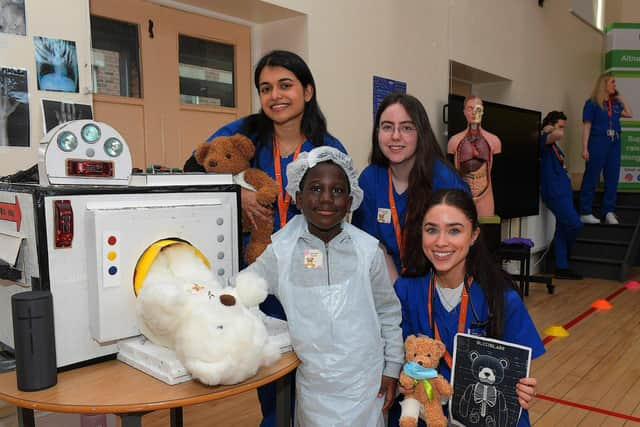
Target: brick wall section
(108, 76)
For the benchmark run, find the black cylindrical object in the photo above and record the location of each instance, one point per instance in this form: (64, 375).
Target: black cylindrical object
(34, 340)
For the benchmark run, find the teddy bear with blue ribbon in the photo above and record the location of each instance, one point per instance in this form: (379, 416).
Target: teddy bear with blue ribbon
(424, 387)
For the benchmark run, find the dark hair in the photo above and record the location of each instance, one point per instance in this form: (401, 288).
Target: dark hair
(427, 151)
(553, 117)
(313, 126)
(480, 264)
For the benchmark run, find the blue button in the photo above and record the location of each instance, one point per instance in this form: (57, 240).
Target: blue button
(113, 270)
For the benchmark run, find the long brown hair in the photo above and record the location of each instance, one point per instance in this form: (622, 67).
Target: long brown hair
(599, 93)
(427, 151)
(479, 264)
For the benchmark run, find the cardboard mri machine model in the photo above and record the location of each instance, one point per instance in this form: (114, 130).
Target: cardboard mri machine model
(81, 231)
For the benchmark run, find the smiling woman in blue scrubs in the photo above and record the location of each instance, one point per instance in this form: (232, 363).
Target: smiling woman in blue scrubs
(407, 164)
(455, 262)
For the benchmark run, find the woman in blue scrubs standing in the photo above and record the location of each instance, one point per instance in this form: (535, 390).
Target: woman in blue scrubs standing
(452, 273)
(407, 164)
(601, 147)
(289, 122)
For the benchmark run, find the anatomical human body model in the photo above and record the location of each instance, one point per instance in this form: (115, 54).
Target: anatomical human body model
(473, 150)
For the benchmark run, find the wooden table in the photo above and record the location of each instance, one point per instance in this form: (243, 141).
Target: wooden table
(116, 388)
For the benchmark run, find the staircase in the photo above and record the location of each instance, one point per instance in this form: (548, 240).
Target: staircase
(608, 251)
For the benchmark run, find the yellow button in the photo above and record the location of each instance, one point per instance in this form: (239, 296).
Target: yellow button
(111, 256)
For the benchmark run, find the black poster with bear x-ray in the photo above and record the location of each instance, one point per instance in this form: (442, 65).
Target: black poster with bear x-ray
(484, 377)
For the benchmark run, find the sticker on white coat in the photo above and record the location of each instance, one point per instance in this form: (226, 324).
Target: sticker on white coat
(312, 258)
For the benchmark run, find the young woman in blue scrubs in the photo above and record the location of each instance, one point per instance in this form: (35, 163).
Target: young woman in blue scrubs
(601, 147)
(557, 194)
(407, 164)
(289, 122)
(452, 273)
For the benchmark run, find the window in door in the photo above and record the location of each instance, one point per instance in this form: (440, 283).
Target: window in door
(115, 55)
(206, 70)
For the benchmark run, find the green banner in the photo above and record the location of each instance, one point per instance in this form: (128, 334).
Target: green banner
(630, 160)
(622, 59)
(622, 25)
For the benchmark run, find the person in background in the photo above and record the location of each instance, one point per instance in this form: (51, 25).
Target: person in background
(601, 148)
(343, 315)
(557, 194)
(289, 122)
(406, 165)
(454, 285)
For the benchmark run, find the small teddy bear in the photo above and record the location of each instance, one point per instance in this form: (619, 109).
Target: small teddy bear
(232, 154)
(419, 375)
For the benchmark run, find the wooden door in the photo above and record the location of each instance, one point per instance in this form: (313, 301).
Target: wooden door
(161, 126)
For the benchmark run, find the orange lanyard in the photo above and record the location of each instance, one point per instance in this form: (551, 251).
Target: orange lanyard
(394, 216)
(284, 199)
(558, 154)
(462, 318)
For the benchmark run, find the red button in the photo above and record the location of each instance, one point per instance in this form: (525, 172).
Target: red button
(111, 240)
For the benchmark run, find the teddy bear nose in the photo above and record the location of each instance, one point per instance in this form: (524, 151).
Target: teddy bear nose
(213, 163)
(420, 363)
(227, 299)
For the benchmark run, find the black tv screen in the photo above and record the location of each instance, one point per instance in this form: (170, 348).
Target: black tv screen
(515, 174)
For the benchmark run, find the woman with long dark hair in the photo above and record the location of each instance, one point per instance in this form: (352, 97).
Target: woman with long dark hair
(452, 268)
(406, 165)
(289, 121)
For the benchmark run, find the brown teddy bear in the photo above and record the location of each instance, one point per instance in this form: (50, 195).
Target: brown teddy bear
(231, 154)
(423, 384)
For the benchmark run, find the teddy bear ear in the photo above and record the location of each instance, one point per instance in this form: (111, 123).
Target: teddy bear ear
(504, 363)
(202, 151)
(441, 347)
(411, 340)
(244, 145)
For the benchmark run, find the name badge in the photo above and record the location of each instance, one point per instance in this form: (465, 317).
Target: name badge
(312, 258)
(384, 216)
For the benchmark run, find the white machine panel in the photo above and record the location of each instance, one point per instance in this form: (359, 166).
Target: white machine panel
(123, 230)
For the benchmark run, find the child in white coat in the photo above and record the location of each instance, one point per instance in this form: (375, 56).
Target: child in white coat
(344, 317)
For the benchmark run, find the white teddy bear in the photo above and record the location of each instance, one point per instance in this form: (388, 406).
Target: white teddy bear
(215, 330)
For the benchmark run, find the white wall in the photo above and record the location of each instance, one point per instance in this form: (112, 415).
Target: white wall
(62, 19)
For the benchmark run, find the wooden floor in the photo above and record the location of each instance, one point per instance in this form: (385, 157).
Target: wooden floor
(596, 367)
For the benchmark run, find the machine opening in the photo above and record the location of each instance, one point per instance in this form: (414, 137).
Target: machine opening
(149, 255)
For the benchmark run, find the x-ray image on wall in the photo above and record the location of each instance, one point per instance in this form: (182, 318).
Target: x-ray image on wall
(56, 112)
(56, 64)
(12, 20)
(14, 108)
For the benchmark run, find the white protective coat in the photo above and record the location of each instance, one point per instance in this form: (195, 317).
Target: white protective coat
(335, 332)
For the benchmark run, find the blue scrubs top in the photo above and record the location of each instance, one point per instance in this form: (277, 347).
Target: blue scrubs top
(413, 293)
(554, 180)
(374, 181)
(599, 117)
(263, 159)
